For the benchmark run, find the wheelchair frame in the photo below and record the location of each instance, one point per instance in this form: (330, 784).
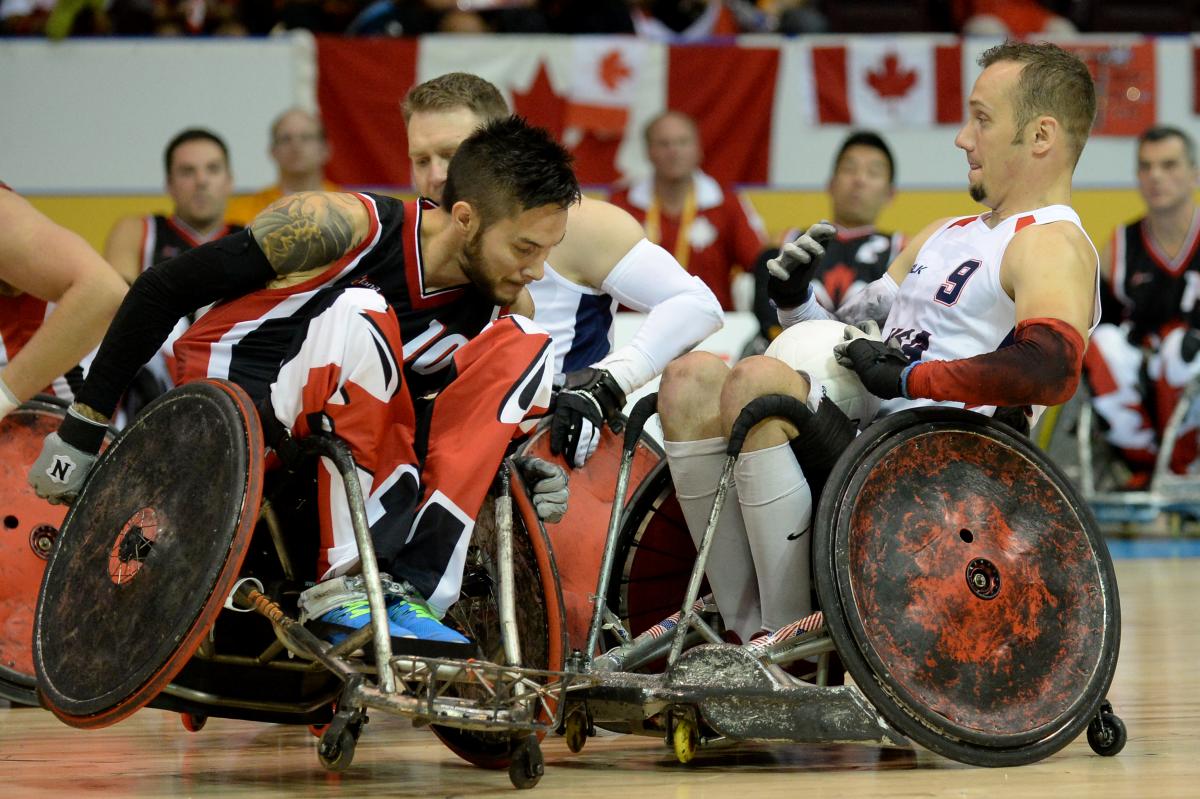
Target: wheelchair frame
(714, 690)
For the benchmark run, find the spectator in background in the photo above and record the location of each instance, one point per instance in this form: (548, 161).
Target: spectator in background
(199, 182)
(1144, 351)
(42, 263)
(709, 229)
(862, 184)
(300, 152)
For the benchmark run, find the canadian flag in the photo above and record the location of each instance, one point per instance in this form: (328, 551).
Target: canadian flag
(596, 93)
(888, 82)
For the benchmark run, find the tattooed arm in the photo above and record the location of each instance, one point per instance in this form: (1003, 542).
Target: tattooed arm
(288, 242)
(301, 234)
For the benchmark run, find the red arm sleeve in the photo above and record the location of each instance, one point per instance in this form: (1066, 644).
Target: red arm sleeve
(1041, 367)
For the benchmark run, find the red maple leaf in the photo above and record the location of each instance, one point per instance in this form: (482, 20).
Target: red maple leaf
(540, 105)
(613, 70)
(838, 281)
(891, 81)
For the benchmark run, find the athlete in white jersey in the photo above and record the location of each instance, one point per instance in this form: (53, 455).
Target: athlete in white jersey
(981, 312)
(603, 261)
(952, 301)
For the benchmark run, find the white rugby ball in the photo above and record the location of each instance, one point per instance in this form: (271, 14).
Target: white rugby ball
(808, 347)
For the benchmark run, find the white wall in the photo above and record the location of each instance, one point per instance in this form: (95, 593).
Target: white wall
(93, 116)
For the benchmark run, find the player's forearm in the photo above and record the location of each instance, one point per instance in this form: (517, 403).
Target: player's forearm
(1041, 367)
(682, 313)
(71, 331)
(672, 328)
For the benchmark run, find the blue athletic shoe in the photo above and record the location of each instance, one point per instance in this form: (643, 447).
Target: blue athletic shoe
(416, 617)
(355, 615)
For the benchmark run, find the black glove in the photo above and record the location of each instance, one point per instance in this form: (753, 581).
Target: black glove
(589, 398)
(879, 365)
(793, 269)
(1190, 344)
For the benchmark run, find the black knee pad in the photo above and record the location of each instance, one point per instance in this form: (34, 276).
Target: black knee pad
(820, 441)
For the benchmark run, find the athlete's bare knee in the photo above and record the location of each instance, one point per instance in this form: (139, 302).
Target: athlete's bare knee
(755, 377)
(687, 396)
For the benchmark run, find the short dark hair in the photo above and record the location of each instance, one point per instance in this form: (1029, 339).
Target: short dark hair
(1053, 82)
(508, 166)
(192, 134)
(455, 90)
(867, 138)
(1161, 132)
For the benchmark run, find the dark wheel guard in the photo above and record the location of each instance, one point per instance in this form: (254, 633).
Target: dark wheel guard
(966, 587)
(148, 553)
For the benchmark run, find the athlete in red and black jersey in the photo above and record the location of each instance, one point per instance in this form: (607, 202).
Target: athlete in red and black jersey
(57, 296)
(1144, 352)
(336, 311)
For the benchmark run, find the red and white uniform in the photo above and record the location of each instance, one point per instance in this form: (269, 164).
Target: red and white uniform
(1133, 365)
(951, 304)
(723, 231)
(427, 387)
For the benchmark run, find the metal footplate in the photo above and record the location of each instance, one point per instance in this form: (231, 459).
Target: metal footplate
(736, 695)
(474, 694)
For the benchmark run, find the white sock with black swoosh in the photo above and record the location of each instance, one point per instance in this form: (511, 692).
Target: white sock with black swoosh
(777, 508)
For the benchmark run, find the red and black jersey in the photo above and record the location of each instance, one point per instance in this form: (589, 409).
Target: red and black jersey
(164, 237)
(247, 339)
(854, 258)
(1147, 287)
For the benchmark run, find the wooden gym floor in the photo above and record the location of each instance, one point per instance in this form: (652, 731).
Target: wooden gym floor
(1156, 692)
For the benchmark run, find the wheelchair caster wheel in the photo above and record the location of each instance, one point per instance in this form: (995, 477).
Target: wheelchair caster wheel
(336, 752)
(1106, 733)
(526, 766)
(576, 730)
(685, 739)
(193, 722)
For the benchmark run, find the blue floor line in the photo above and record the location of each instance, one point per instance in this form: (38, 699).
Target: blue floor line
(1129, 548)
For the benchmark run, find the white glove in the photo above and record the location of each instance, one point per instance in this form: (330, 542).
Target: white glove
(805, 250)
(547, 487)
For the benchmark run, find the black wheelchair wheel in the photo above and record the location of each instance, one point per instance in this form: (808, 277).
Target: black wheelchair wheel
(966, 587)
(148, 553)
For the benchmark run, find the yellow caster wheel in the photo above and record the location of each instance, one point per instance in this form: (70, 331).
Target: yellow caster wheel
(685, 740)
(576, 731)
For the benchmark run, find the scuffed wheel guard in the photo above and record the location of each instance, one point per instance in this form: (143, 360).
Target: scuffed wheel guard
(148, 553)
(966, 587)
